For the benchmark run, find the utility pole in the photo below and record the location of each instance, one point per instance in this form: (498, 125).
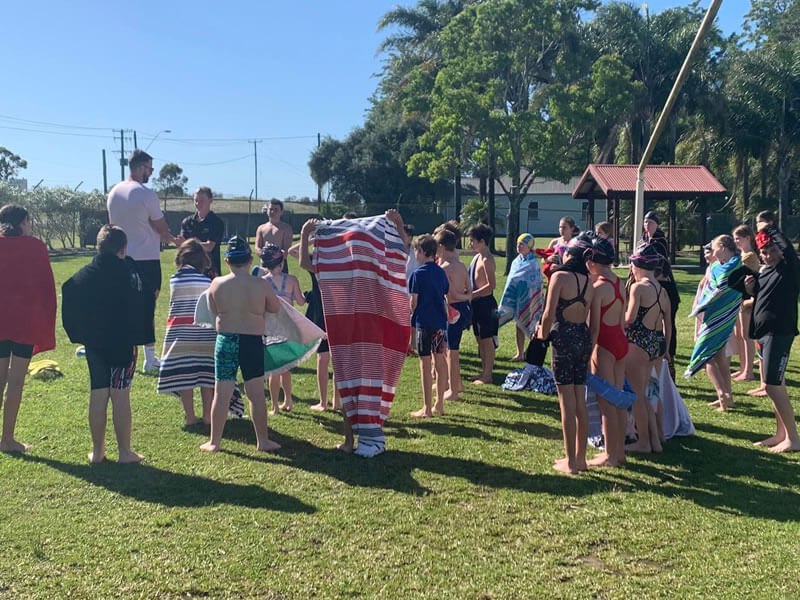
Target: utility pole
(135, 145)
(122, 160)
(319, 186)
(105, 173)
(255, 165)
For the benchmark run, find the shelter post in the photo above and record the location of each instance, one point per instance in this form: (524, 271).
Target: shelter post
(673, 231)
(703, 229)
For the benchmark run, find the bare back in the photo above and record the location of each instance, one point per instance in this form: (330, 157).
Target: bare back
(239, 302)
(568, 286)
(484, 276)
(605, 292)
(647, 294)
(458, 278)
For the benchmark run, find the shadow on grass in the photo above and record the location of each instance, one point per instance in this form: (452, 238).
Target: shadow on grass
(149, 484)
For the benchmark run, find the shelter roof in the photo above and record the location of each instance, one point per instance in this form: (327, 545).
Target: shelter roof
(660, 182)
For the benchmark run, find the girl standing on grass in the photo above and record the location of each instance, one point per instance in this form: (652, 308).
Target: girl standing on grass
(566, 230)
(187, 360)
(746, 243)
(27, 312)
(287, 287)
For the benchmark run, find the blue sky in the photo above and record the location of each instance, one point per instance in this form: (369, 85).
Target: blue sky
(215, 74)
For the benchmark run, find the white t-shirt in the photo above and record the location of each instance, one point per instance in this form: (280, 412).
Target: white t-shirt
(132, 206)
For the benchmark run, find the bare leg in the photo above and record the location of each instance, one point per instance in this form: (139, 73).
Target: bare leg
(637, 371)
(337, 397)
(286, 382)
(454, 375)
(783, 409)
(207, 396)
(605, 366)
(4, 363)
(98, 404)
(323, 360)
(440, 363)
(486, 349)
(349, 441)
(520, 346)
(760, 391)
(187, 399)
(219, 413)
(427, 384)
(566, 400)
(582, 426)
(258, 412)
(121, 416)
(274, 393)
(15, 381)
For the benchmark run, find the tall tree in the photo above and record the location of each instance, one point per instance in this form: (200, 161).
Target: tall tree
(171, 181)
(10, 164)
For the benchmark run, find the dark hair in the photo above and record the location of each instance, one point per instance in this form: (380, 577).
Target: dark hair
(447, 239)
(766, 216)
(350, 215)
(204, 189)
(276, 202)
(138, 158)
(568, 220)
(11, 218)
(111, 239)
(191, 253)
(426, 244)
(481, 231)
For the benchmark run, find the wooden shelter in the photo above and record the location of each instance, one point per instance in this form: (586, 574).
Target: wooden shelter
(613, 183)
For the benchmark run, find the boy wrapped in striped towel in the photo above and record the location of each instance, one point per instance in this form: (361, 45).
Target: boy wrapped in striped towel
(360, 265)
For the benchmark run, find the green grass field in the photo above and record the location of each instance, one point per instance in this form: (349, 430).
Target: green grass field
(464, 506)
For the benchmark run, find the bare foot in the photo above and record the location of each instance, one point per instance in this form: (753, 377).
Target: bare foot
(421, 414)
(758, 392)
(346, 447)
(450, 396)
(637, 447)
(562, 466)
(337, 407)
(438, 410)
(715, 403)
(516, 358)
(770, 441)
(602, 460)
(318, 407)
(744, 377)
(96, 458)
(14, 446)
(580, 464)
(274, 411)
(129, 457)
(268, 446)
(193, 421)
(480, 381)
(786, 446)
(209, 447)
(287, 406)
(736, 374)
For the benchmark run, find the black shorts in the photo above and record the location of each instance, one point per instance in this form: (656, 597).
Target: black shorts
(234, 351)
(775, 356)
(484, 317)
(150, 274)
(102, 375)
(431, 341)
(323, 347)
(7, 348)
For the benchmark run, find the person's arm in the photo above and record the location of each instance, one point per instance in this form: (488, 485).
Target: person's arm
(162, 229)
(271, 302)
(412, 303)
(667, 321)
(297, 293)
(633, 306)
(305, 235)
(594, 312)
(488, 268)
(287, 238)
(212, 306)
(294, 250)
(259, 244)
(553, 292)
(394, 217)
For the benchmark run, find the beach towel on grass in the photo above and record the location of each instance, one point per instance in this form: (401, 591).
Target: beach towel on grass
(289, 338)
(522, 296)
(720, 307)
(361, 269)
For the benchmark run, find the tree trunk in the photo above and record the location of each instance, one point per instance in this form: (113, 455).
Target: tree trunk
(491, 202)
(745, 185)
(784, 175)
(512, 227)
(764, 158)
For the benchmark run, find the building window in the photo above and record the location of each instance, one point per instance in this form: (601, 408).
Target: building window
(533, 211)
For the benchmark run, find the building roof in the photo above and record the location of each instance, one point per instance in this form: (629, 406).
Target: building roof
(660, 182)
(540, 185)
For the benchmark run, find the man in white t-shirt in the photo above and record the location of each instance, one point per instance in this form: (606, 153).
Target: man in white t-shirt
(135, 208)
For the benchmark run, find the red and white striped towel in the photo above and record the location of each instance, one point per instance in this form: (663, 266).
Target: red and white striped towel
(360, 266)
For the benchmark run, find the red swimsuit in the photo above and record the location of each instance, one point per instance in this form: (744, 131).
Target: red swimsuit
(612, 337)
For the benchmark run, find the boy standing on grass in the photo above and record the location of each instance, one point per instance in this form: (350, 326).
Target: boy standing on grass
(458, 297)
(103, 307)
(484, 306)
(238, 302)
(428, 286)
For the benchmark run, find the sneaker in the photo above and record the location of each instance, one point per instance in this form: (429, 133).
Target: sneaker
(152, 365)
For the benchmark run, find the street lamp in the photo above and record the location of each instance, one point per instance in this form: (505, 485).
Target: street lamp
(156, 137)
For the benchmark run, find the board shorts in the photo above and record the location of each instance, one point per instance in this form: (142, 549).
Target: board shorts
(431, 341)
(485, 322)
(7, 348)
(102, 375)
(234, 351)
(150, 274)
(775, 356)
(455, 330)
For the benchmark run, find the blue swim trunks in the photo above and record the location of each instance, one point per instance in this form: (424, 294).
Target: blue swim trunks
(238, 350)
(455, 330)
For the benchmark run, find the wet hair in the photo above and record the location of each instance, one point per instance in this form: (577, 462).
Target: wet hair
(602, 251)
(111, 239)
(138, 158)
(648, 258)
(11, 218)
(426, 244)
(724, 241)
(204, 189)
(191, 253)
(481, 231)
(744, 231)
(271, 256)
(446, 238)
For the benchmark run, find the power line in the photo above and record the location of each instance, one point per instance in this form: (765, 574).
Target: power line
(208, 164)
(89, 135)
(32, 122)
